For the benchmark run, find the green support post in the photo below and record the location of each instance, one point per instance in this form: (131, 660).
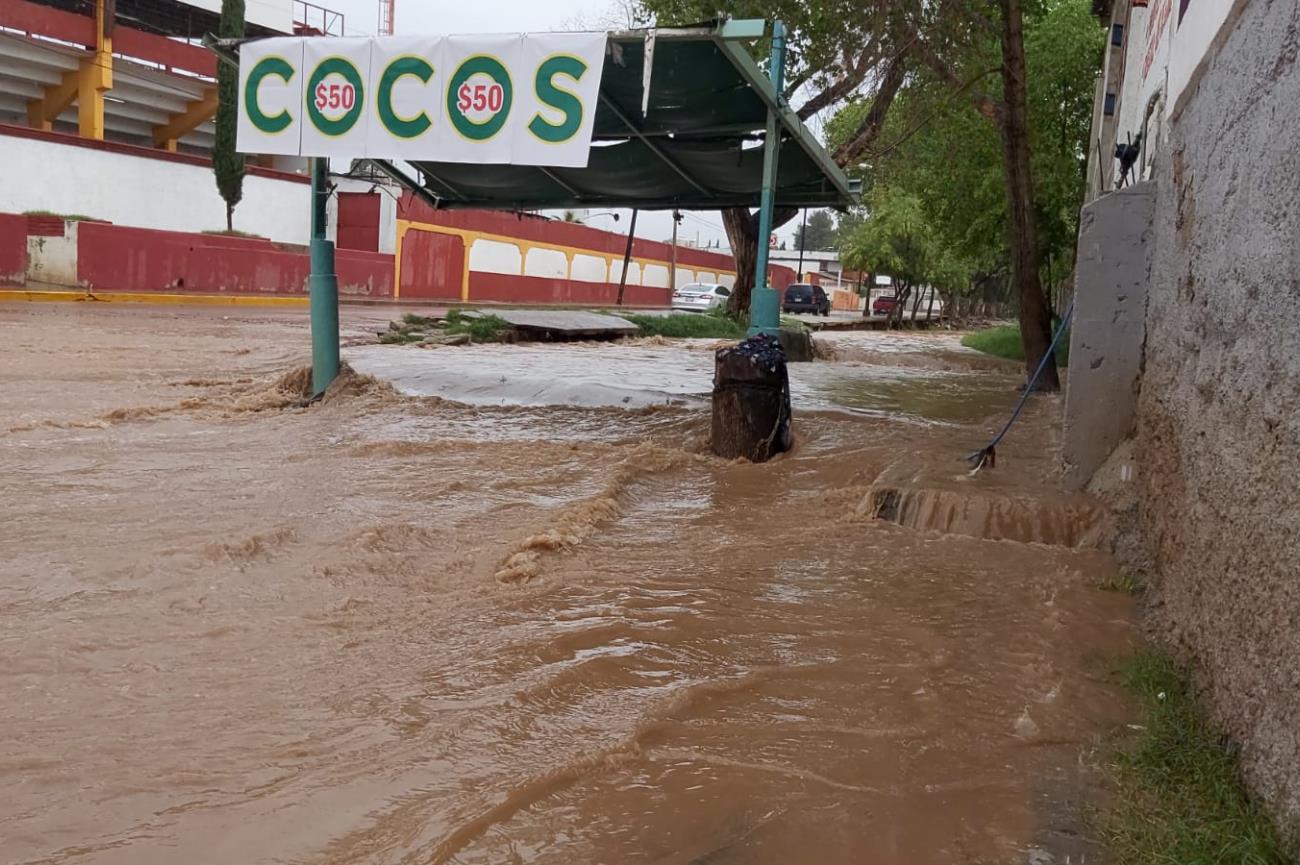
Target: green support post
(324, 287)
(764, 305)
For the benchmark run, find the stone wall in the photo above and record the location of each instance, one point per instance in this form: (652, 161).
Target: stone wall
(1218, 426)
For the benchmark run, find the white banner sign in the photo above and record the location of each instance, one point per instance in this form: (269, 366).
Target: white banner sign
(528, 99)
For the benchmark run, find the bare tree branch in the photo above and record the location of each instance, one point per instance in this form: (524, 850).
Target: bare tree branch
(874, 121)
(852, 74)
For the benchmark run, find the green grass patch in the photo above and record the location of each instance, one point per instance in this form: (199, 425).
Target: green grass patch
(1179, 797)
(486, 328)
(413, 320)
(1004, 341)
(233, 232)
(400, 337)
(706, 326)
(68, 217)
(1124, 582)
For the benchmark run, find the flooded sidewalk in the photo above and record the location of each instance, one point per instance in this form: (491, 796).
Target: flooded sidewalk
(499, 604)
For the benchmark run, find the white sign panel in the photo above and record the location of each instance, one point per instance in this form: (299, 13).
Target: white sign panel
(407, 99)
(270, 96)
(484, 85)
(560, 100)
(528, 99)
(336, 82)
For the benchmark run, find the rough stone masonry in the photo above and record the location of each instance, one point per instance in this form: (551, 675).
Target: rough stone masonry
(1217, 445)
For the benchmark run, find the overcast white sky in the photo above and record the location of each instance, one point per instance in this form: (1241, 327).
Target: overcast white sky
(518, 16)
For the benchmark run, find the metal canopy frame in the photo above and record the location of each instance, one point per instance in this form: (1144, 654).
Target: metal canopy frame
(781, 125)
(688, 151)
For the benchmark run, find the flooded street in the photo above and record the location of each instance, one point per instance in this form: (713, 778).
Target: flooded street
(508, 609)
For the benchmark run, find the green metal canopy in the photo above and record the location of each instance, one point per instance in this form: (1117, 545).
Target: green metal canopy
(694, 141)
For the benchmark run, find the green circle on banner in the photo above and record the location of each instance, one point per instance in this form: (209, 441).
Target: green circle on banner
(479, 64)
(266, 67)
(335, 66)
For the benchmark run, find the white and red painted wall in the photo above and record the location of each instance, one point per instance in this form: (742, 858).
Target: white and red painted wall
(488, 256)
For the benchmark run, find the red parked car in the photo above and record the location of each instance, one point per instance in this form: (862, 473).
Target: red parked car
(884, 305)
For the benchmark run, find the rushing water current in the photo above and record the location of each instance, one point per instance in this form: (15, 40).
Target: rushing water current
(507, 609)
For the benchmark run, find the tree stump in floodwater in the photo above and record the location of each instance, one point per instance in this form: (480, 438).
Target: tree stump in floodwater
(751, 400)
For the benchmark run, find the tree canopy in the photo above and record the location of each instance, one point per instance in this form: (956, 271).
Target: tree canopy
(818, 233)
(946, 157)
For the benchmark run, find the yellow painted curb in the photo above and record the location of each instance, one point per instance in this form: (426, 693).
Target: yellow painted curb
(148, 297)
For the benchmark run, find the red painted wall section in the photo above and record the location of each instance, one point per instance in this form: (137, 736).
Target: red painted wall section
(358, 222)
(117, 258)
(553, 231)
(432, 265)
(13, 249)
(781, 277)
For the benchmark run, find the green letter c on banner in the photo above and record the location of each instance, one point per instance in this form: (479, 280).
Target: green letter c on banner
(335, 66)
(561, 100)
(403, 127)
(267, 66)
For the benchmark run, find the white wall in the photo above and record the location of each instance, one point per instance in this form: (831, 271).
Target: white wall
(143, 192)
(1193, 40)
(275, 14)
(53, 259)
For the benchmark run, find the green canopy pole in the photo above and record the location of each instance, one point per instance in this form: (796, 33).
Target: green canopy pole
(764, 306)
(324, 287)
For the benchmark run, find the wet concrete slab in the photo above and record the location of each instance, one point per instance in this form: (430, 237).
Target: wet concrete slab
(562, 323)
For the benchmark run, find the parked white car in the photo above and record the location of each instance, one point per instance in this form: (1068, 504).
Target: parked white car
(700, 297)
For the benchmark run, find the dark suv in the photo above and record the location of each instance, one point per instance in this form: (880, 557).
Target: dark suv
(806, 298)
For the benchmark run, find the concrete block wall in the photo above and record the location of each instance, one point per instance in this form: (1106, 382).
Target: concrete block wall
(1108, 330)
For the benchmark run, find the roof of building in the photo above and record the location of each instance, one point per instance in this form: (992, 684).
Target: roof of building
(143, 98)
(697, 145)
(806, 255)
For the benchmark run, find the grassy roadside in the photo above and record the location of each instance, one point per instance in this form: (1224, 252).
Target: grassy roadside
(1179, 800)
(1004, 341)
(688, 325)
(416, 328)
(484, 328)
(714, 324)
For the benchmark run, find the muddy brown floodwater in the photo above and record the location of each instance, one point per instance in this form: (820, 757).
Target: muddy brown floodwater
(395, 628)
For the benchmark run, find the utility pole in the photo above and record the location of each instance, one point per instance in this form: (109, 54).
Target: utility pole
(672, 268)
(627, 258)
(764, 305)
(324, 286)
(803, 241)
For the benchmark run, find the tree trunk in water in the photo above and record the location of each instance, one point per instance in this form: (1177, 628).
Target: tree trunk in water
(895, 317)
(1035, 317)
(742, 232)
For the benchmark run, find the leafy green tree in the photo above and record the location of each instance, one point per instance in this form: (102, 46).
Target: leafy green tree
(228, 163)
(818, 234)
(936, 147)
(895, 239)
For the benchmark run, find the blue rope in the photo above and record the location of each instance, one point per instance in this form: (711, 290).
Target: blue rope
(978, 457)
